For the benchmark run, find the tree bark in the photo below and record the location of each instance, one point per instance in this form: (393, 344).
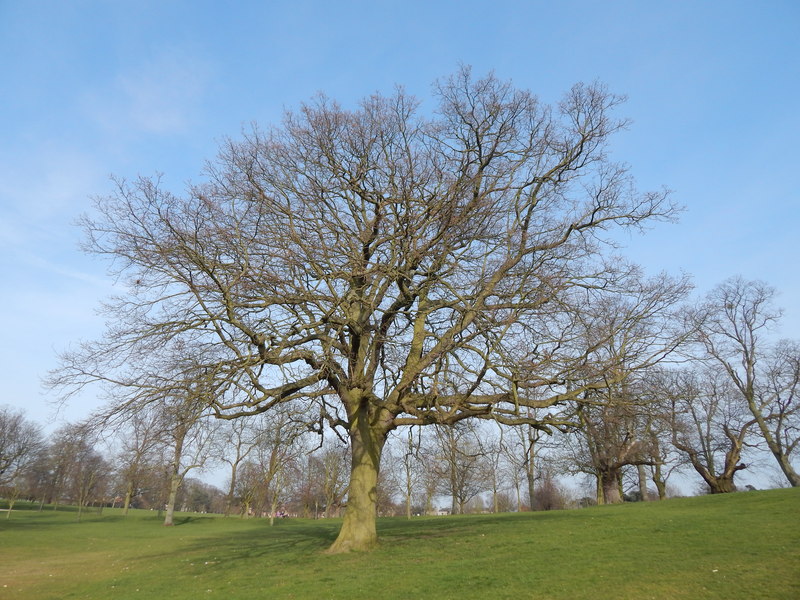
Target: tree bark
(231, 491)
(530, 468)
(367, 438)
(174, 484)
(774, 447)
(660, 483)
(128, 497)
(721, 485)
(610, 485)
(791, 475)
(642, 482)
(175, 477)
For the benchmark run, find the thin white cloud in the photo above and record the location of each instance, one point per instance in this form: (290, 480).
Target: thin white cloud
(161, 96)
(101, 284)
(47, 181)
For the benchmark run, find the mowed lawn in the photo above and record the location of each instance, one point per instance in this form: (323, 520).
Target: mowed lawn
(744, 545)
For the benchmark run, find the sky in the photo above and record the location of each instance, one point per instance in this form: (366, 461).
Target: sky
(94, 89)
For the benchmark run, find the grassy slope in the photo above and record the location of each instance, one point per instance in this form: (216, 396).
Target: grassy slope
(738, 546)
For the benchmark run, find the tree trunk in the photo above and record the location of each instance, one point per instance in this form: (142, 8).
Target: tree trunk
(273, 508)
(721, 485)
(128, 496)
(530, 468)
(409, 491)
(175, 468)
(791, 475)
(610, 484)
(277, 484)
(408, 469)
(174, 481)
(773, 444)
(367, 438)
(231, 491)
(775, 448)
(661, 488)
(174, 484)
(642, 482)
(12, 499)
(658, 480)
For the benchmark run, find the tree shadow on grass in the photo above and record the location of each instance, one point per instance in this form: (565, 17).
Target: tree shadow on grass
(312, 537)
(192, 519)
(292, 536)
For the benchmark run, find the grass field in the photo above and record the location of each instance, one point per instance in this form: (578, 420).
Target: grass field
(735, 546)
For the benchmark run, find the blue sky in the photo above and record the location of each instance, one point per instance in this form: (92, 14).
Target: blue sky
(91, 89)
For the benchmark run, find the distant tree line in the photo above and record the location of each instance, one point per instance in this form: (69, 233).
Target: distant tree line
(726, 396)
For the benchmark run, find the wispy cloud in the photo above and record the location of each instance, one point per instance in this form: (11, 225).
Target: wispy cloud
(100, 283)
(47, 180)
(161, 96)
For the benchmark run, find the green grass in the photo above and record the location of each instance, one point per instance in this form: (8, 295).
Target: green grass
(735, 546)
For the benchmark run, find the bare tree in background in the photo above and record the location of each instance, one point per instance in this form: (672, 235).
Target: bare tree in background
(75, 469)
(493, 466)
(460, 462)
(334, 467)
(428, 469)
(278, 449)
(408, 465)
(395, 268)
(190, 438)
(237, 440)
(20, 444)
(657, 431)
(521, 449)
(609, 442)
(734, 323)
(625, 331)
(709, 426)
(141, 442)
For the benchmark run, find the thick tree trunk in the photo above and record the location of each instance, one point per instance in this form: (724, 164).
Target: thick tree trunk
(367, 438)
(721, 485)
(611, 483)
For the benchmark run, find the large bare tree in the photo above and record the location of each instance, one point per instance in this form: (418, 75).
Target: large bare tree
(395, 266)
